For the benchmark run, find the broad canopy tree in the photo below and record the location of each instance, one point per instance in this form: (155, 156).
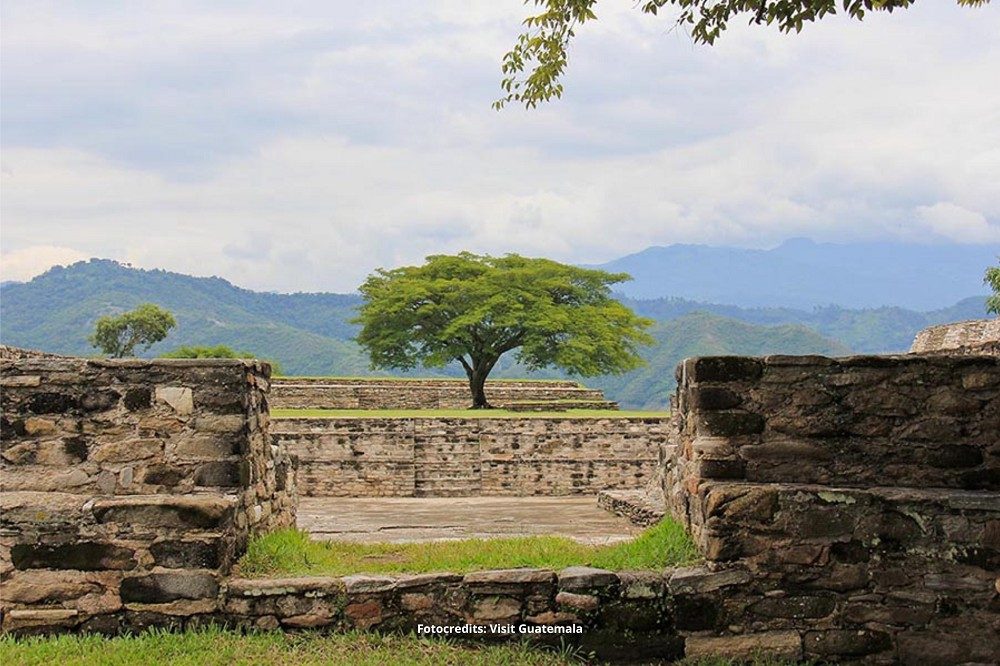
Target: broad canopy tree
(533, 67)
(474, 309)
(119, 335)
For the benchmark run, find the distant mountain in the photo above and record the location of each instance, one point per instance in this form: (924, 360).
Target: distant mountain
(868, 331)
(802, 274)
(704, 334)
(311, 334)
(307, 333)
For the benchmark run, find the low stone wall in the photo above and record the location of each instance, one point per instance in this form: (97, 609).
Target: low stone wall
(435, 457)
(131, 486)
(981, 334)
(860, 493)
(389, 393)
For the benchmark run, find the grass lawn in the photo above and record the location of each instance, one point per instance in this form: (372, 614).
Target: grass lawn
(291, 552)
(215, 647)
(463, 414)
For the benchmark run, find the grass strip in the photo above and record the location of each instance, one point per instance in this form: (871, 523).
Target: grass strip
(292, 552)
(216, 647)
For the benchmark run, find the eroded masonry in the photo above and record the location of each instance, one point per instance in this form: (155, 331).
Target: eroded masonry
(846, 510)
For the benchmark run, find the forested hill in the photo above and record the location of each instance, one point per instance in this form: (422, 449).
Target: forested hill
(311, 333)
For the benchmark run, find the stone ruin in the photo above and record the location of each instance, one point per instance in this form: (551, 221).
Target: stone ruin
(847, 510)
(412, 393)
(978, 336)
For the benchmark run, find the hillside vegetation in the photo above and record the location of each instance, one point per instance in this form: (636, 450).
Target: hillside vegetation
(311, 334)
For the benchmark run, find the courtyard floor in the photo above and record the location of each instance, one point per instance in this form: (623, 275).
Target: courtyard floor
(414, 519)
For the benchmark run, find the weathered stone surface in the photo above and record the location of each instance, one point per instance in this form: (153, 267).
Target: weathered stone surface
(79, 555)
(845, 643)
(774, 644)
(511, 576)
(178, 397)
(159, 588)
(20, 620)
(306, 585)
(180, 511)
(187, 553)
(360, 584)
(698, 580)
(586, 578)
(496, 609)
(581, 602)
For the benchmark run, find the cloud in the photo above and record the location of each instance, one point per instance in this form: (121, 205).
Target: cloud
(301, 147)
(959, 224)
(24, 264)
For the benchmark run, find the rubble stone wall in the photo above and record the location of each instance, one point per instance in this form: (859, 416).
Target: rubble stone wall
(131, 486)
(436, 457)
(378, 393)
(978, 334)
(860, 493)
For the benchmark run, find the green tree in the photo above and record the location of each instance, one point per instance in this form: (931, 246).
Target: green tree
(118, 335)
(541, 50)
(218, 351)
(992, 278)
(473, 309)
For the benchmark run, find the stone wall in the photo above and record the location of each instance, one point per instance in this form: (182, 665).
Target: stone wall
(435, 457)
(979, 334)
(130, 486)
(390, 393)
(860, 493)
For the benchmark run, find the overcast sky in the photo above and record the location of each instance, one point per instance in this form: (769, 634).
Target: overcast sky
(298, 145)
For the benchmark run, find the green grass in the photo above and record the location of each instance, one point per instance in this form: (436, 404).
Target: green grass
(215, 647)
(291, 552)
(462, 414)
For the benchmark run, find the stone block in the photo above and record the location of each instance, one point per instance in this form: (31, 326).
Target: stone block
(158, 588)
(79, 555)
(179, 398)
(173, 511)
(219, 474)
(845, 642)
(580, 602)
(586, 578)
(729, 423)
(700, 580)
(710, 398)
(723, 369)
(17, 621)
(361, 584)
(770, 644)
(188, 553)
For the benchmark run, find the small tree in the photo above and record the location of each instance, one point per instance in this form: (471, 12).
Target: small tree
(118, 336)
(473, 309)
(992, 278)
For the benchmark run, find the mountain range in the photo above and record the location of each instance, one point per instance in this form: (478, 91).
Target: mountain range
(311, 333)
(802, 274)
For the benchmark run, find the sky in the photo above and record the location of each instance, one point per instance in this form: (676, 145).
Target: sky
(300, 145)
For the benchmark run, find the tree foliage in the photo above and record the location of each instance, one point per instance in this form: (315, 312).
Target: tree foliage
(218, 351)
(119, 335)
(992, 279)
(532, 69)
(473, 309)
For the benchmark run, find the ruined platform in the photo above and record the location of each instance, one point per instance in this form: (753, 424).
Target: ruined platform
(413, 519)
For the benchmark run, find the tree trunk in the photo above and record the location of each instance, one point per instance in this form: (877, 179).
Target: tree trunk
(477, 384)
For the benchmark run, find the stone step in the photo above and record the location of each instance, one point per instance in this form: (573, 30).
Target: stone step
(807, 524)
(643, 507)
